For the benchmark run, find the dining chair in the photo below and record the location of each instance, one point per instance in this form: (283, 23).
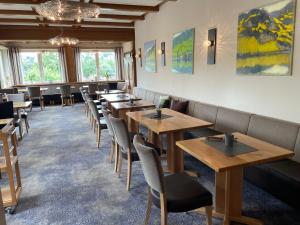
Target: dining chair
(1, 97)
(125, 148)
(66, 96)
(23, 114)
(106, 114)
(7, 111)
(97, 123)
(92, 88)
(173, 193)
(86, 107)
(35, 94)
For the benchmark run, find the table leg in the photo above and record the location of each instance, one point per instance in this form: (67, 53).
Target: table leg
(174, 153)
(133, 126)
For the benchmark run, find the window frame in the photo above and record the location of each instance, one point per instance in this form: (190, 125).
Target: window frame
(97, 53)
(39, 53)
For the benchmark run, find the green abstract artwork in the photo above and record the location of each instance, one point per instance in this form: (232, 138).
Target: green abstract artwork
(266, 39)
(150, 56)
(183, 52)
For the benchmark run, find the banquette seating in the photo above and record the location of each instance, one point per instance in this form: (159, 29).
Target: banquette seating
(280, 178)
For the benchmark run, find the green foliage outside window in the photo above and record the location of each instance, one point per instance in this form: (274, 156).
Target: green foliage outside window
(51, 66)
(88, 65)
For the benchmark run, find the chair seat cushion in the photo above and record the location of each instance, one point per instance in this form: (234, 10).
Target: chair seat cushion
(201, 132)
(184, 193)
(97, 102)
(103, 126)
(24, 115)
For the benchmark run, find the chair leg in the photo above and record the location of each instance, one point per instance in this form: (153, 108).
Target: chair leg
(116, 157)
(21, 130)
(62, 102)
(26, 124)
(163, 210)
(208, 211)
(98, 134)
(41, 105)
(120, 163)
(112, 151)
(129, 170)
(149, 206)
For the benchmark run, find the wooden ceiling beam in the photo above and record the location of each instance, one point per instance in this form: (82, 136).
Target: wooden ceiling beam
(82, 33)
(140, 8)
(102, 15)
(37, 21)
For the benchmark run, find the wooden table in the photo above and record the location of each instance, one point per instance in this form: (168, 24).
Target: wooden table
(111, 98)
(229, 172)
(72, 87)
(6, 121)
(111, 92)
(174, 126)
(119, 109)
(22, 105)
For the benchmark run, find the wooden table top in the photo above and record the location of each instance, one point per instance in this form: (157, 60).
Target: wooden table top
(137, 105)
(177, 121)
(58, 88)
(6, 121)
(119, 97)
(110, 92)
(22, 105)
(219, 162)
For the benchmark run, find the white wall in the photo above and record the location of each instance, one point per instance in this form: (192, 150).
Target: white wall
(217, 84)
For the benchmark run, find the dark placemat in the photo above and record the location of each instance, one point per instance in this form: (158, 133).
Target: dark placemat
(237, 148)
(154, 116)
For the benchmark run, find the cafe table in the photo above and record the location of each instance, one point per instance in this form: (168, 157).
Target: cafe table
(72, 87)
(111, 98)
(110, 92)
(119, 109)
(171, 123)
(229, 170)
(6, 121)
(21, 105)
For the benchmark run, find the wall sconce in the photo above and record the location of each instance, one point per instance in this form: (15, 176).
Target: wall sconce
(162, 53)
(138, 56)
(211, 44)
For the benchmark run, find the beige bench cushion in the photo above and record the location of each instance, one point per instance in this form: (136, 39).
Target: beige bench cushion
(274, 131)
(204, 112)
(229, 120)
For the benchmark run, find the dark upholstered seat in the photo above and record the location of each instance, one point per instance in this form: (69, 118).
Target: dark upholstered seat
(184, 193)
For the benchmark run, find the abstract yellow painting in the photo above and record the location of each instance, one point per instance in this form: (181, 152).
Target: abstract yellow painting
(266, 39)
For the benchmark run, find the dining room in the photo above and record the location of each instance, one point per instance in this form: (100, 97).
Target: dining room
(149, 112)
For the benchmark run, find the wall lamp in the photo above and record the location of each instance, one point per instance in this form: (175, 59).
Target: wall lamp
(162, 53)
(211, 44)
(138, 56)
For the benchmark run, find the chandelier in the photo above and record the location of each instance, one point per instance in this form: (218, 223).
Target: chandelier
(62, 40)
(67, 10)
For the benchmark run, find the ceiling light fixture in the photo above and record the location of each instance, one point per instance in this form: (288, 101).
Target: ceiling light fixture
(63, 40)
(67, 10)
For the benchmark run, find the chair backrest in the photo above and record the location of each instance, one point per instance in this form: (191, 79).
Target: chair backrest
(94, 110)
(65, 90)
(101, 87)
(108, 123)
(121, 132)
(93, 88)
(34, 92)
(16, 97)
(6, 110)
(151, 164)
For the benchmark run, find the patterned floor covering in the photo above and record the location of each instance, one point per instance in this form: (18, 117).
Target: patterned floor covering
(68, 181)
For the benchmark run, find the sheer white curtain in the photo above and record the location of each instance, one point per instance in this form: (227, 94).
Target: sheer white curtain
(6, 78)
(15, 63)
(77, 63)
(120, 63)
(63, 64)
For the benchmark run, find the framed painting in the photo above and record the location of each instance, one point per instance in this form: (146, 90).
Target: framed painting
(266, 39)
(183, 52)
(150, 56)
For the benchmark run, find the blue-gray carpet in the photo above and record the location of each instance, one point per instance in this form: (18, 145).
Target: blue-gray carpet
(68, 181)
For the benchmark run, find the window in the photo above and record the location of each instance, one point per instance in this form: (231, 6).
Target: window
(95, 64)
(40, 67)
